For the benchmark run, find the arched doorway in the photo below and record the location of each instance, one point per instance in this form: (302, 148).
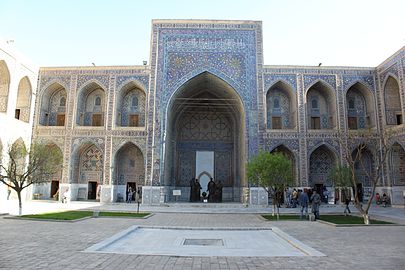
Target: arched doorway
(321, 162)
(87, 172)
(205, 132)
(363, 169)
(129, 171)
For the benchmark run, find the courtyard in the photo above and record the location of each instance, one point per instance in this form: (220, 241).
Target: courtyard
(34, 244)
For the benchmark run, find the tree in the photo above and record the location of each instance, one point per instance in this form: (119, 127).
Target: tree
(345, 176)
(273, 172)
(29, 166)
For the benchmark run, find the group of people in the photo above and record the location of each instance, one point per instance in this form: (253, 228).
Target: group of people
(132, 194)
(304, 199)
(214, 189)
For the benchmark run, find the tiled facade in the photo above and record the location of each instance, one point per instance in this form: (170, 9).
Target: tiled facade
(18, 84)
(297, 109)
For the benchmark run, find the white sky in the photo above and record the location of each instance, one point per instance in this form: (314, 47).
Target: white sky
(295, 32)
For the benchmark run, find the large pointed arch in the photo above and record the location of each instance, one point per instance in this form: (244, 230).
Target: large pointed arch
(281, 106)
(91, 105)
(392, 102)
(53, 105)
(4, 85)
(205, 114)
(24, 95)
(131, 105)
(321, 106)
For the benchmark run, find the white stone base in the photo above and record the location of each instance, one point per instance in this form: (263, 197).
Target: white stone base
(258, 196)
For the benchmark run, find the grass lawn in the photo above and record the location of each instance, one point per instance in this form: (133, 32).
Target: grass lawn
(123, 214)
(68, 215)
(282, 217)
(341, 219)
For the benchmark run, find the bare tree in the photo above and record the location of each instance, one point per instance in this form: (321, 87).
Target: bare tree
(273, 172)
(29, 166)
(355, 145)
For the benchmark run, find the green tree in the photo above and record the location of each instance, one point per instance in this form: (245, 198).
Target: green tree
(29, 166)
(273, 172)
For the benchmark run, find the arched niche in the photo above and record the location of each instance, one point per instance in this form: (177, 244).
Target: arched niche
(20, 158)
(321, 106)
(4, 85)
(360, 107)
(23, 106)
(363, 166)
(321, 162)
(130, 109)
(129, 166)
(87, 171)
(53, 106)
(91, 106)
(206, 116)
(290, 155)
(392, 102)
(281, 107)
(397, 165)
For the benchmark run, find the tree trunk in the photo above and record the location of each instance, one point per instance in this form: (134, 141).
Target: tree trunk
(366, 218)
(19, 202)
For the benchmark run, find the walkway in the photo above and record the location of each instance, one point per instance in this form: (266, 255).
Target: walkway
(60, 245)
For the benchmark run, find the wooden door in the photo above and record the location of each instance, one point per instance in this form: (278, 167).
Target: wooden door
(133, 120)
(60, 120)
(97, 120)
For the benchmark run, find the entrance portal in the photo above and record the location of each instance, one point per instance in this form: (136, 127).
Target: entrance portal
(205, 137)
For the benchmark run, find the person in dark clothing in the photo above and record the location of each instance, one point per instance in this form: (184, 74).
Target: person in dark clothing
(347, 209)
(303, 201)
(316, 202)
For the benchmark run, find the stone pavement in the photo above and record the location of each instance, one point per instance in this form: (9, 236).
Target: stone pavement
(60, 245)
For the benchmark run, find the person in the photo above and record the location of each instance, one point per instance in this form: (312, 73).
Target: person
(384, 200)
(211, 190)
(129, 195)
(347, 209)
(316, 201)
(192, 183)
(66, 196)
(218, 191)
(303, 201)
(377, 198)
(8, 191)
(197, 191)
(325, 194)
(294, 198)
